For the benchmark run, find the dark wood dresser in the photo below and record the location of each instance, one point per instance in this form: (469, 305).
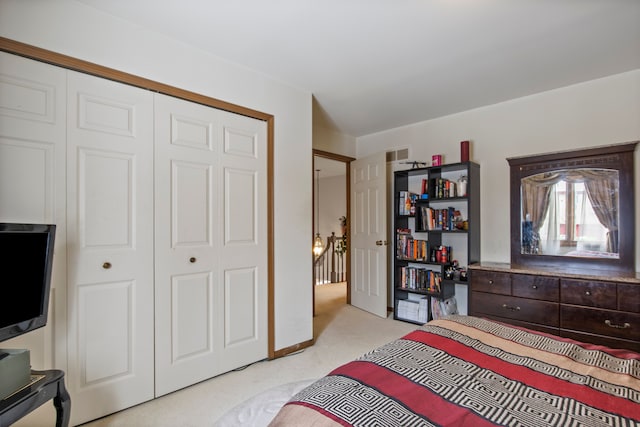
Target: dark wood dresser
(573, 304)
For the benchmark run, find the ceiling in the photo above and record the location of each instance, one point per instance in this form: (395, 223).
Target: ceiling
(378, 64)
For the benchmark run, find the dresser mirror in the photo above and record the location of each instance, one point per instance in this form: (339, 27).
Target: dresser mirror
(574, 209)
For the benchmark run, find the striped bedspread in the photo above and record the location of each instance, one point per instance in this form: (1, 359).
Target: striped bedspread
(467, 371)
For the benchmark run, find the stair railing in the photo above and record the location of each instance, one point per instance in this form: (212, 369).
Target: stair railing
(329, 266)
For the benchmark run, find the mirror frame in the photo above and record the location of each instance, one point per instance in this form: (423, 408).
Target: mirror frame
(619, 157)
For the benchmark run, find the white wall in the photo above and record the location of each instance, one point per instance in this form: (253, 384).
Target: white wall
(327, 138)
(333, 204)
(598, 112)
(70, 28)
(332, 141)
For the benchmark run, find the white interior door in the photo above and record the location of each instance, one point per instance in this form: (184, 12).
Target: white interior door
(369, 234)
(211, 242)
(110, 245)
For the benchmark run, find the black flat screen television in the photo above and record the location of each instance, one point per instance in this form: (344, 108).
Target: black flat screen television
(26, 261)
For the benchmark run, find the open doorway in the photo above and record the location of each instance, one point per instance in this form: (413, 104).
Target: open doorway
(331, 179)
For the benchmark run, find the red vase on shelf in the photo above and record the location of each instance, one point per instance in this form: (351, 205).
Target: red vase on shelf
(464, 151)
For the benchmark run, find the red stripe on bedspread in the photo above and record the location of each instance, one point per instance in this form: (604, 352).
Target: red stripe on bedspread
(540, 381)
(417, 398)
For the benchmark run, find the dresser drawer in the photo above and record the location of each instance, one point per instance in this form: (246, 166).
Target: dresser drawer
(629, 297)
(588, 293)
(533, 311)
(536, 287)
(604, 322)
(496, 283)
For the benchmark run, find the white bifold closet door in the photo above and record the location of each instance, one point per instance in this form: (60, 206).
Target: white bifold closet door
(110, 245)
(162, 227)
(32, 182)
(211, 242)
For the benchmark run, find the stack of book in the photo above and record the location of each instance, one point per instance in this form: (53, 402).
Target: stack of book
(420, 279)
(409, 248)
(437, 219)
(441, 188)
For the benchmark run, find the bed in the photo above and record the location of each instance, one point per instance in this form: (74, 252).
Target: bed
(470, 371)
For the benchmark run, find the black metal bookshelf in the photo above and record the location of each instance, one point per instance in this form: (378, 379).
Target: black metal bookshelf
(442, 225)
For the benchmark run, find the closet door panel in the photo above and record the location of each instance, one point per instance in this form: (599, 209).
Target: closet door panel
(110, 235)
(107, 358)
(241, 290)
(187, 140)
(32, 181)
(191, 314)
(32, 99)
(27, 181)
(241, 215)
(191, 204)
(105, 196)
(243, 243)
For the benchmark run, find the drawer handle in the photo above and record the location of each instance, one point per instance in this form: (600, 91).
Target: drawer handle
(510, 307)
(192, 259)
(534, 286)
(490, 282)
(106, 265)
(587, 293)
(611, 325)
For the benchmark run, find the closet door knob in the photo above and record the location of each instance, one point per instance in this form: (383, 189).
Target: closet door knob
(587, 293)
(192, 259)
(106, 265)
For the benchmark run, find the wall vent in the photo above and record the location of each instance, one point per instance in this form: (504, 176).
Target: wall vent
(397, 155)
(391, 156)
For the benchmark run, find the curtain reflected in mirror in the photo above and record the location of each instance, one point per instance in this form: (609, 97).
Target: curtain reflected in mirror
(571, 212)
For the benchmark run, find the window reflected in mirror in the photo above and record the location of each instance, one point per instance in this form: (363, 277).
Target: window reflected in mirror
(574, 209)
(571, 212)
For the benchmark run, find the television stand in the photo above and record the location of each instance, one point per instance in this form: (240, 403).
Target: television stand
(45, 385)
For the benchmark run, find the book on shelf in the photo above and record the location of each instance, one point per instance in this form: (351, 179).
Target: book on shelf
(424, 188)
(420, 279)
(406, 202)
(407, 247)
(402, 200)
(426, 217)
(437, 219)
(403, 237)
(442, 188)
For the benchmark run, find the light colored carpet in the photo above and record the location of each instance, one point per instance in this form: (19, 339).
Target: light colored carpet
(342, 332)
(260, 410)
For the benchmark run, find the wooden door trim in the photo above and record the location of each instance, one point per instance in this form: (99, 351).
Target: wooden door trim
(75, 64)
(347, 160)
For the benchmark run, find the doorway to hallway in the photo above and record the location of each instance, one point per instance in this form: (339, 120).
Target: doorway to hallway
(331, 175)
